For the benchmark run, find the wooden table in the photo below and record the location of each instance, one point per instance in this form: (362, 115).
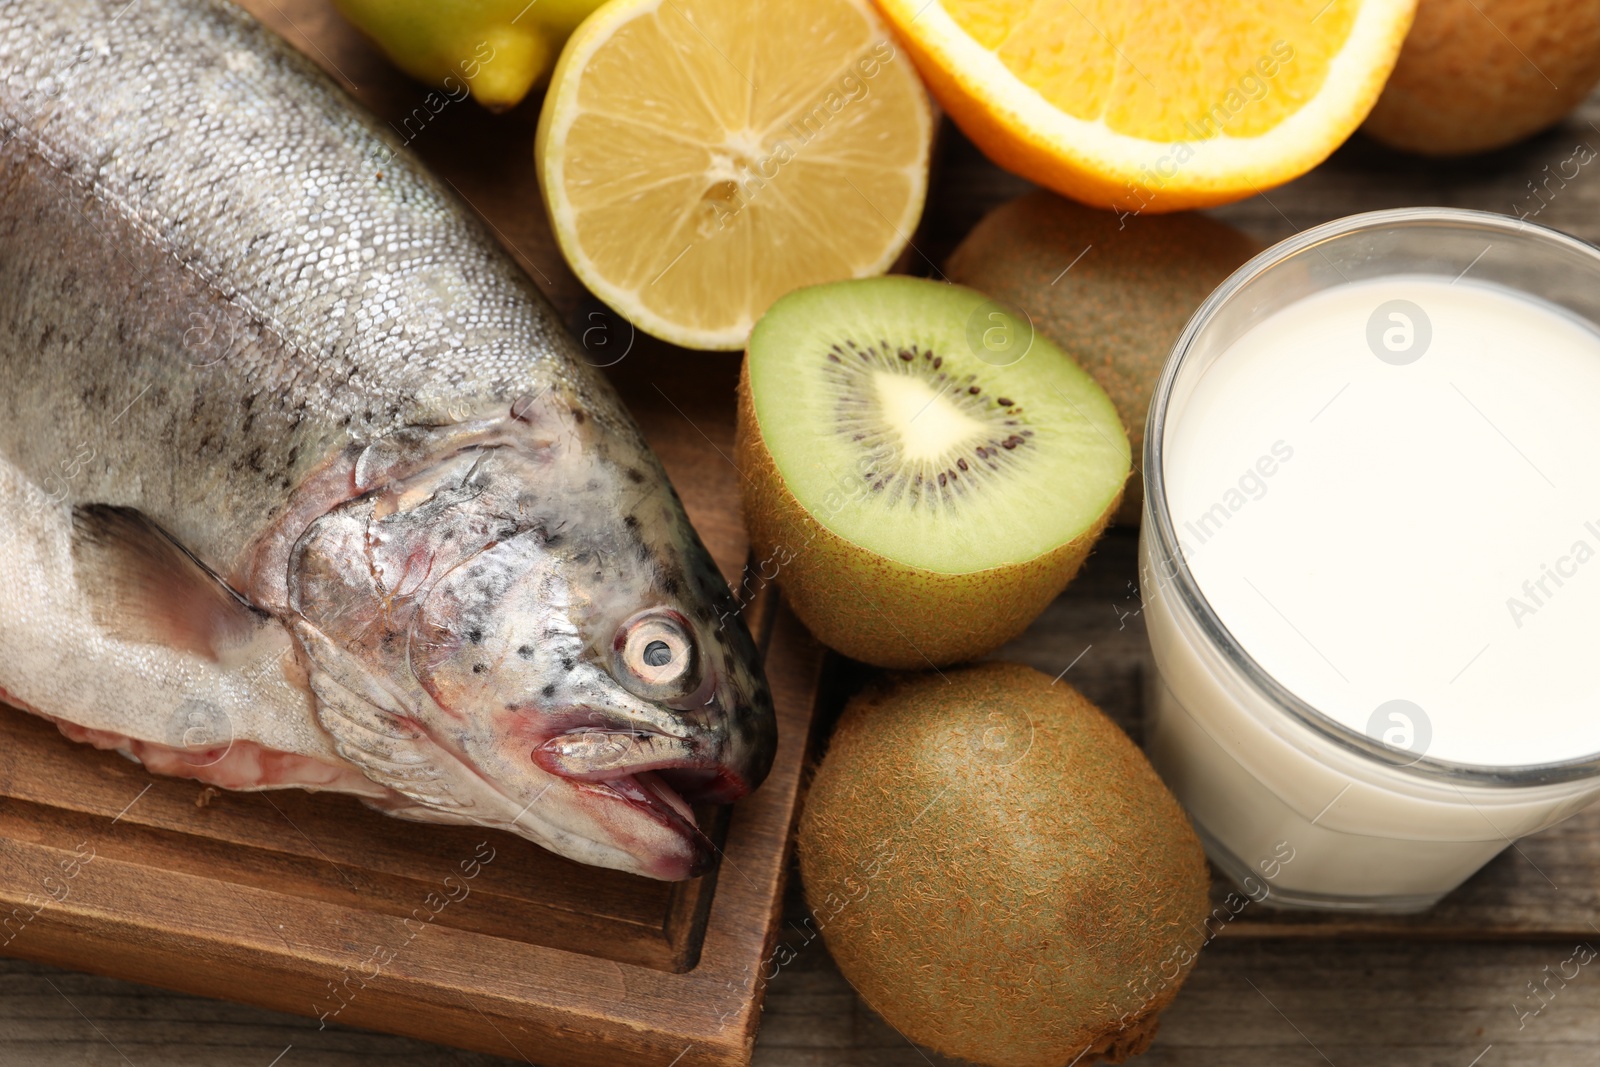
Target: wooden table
(1451, 989)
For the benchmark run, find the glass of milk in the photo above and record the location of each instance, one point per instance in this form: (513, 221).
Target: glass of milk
(1371, 555)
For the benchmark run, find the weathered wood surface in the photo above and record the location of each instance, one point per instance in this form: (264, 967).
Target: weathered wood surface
(1452, 988)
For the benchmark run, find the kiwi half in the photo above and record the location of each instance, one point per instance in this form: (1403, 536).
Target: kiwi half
(922, 471)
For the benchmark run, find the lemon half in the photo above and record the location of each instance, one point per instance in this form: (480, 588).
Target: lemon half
(701, 158)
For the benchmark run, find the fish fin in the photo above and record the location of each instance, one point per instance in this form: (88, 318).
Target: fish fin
(371, 729)
(144, 586)
(397, 807)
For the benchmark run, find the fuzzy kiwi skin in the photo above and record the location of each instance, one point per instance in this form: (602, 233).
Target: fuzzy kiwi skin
(998, 870)
(1462, 86)
(1120, 308)
(873, 608)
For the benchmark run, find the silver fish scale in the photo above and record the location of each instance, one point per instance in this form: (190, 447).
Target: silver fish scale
(232, 154)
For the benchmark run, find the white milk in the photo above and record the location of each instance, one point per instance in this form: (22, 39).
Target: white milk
(1389, 494)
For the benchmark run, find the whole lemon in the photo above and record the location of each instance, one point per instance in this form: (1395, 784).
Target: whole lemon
(496, 49)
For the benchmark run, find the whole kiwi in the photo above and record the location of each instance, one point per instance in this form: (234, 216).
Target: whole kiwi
(1112, 289)
(998, 870)
(1476, 75)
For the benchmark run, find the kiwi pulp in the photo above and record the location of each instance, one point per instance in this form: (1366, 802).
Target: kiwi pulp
(924, 471)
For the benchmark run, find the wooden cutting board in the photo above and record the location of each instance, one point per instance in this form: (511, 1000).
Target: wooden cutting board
(315, 905)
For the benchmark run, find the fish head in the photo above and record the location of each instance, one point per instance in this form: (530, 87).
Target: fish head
(542, 616)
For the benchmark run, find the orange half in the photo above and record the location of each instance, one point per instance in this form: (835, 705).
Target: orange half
(1155, 105)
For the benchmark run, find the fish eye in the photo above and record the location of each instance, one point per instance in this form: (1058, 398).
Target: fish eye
(655, 656)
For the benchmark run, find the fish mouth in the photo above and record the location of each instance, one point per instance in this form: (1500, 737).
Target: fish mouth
(650, 795)
(658, 776)
(597, 755)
